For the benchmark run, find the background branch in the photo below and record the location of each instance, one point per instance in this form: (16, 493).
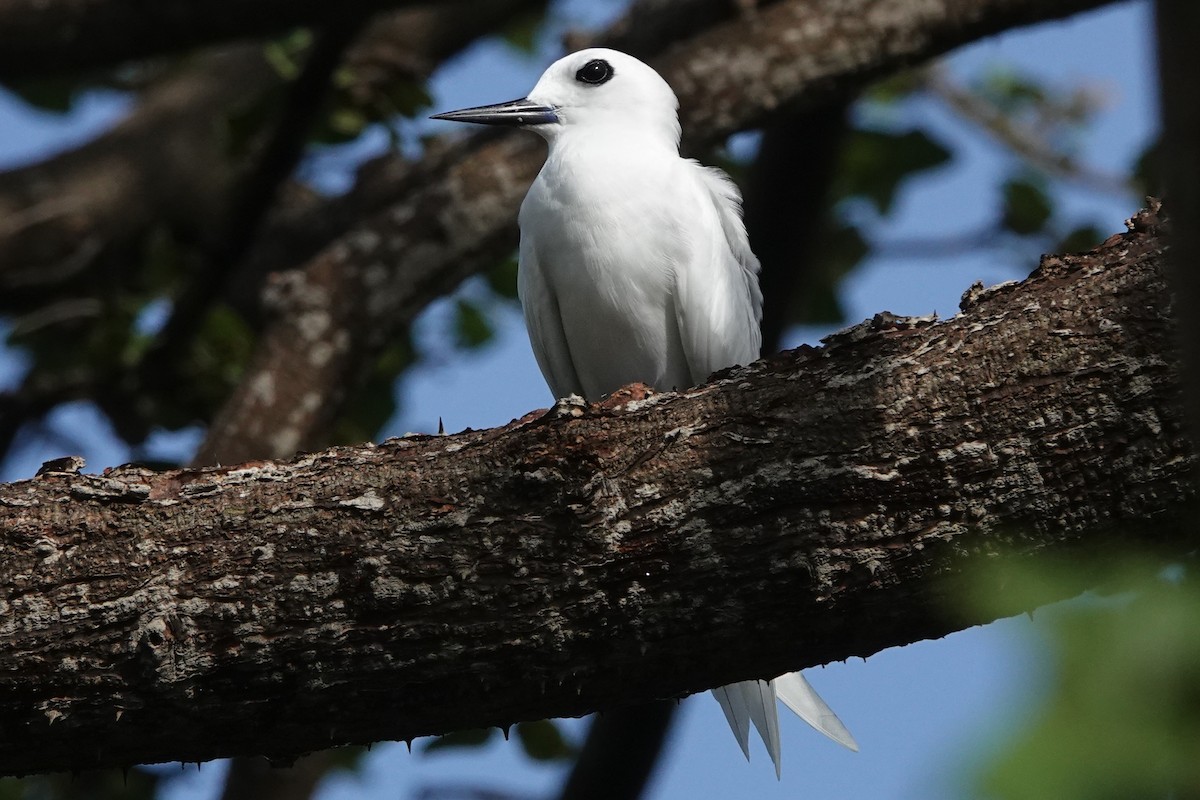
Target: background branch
(40, 38)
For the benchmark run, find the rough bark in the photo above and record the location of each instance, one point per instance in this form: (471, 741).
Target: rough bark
(352, 297)
(808, 508)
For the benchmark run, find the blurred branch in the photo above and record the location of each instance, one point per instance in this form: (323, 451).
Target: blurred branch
(595, 556)
(40, 37)
(946, 246)
(168, 163)
(165, 164)
(374, 280)
(252, 778)
(1178, 31)
(1022, 140)
(619, 754)
(34, 398)
(786, 206)
(252, 198)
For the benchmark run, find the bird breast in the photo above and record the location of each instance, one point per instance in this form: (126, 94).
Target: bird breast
(605, 226)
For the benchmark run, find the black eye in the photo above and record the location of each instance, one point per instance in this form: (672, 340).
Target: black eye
(595, 72)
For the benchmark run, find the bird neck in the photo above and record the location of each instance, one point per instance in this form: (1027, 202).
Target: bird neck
(612, 144)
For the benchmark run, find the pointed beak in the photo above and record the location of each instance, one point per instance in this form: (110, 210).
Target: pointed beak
(514, 113)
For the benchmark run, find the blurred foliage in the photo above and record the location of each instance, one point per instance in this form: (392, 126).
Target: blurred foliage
(889, 148)
(1027, 206)
(374, 402)
(521, 33)
(1122, 715)
(874, 164)
(541, 740)
(475, 737)
(357, 98)
(111, 784)
(471, 327)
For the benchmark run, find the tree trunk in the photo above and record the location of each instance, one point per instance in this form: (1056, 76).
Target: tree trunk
(808, 508)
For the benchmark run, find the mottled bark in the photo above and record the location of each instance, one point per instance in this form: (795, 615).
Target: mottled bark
(354, 296)
(808, 508)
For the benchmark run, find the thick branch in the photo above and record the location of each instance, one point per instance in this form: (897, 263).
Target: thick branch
(809, 508)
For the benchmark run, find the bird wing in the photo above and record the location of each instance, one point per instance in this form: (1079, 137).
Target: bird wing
(718, 305)
(543, 320)
(799, 695)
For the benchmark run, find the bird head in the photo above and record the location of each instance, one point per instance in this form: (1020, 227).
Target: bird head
(597, 91)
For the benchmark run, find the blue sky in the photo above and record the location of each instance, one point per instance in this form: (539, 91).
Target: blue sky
(925, 714)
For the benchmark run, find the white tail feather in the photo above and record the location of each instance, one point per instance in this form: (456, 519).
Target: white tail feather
(752, 701)
(798, 695)
(736, 714)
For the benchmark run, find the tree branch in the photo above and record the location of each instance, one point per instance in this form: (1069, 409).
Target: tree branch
(252, 200)
(373, 281)
(40, 37)
(134, 179)
(596, 556)
(1177, 24)
(127, 180)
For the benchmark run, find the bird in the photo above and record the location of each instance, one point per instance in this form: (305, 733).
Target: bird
(634, 267)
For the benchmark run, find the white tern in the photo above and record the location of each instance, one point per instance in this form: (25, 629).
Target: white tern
(635, 267)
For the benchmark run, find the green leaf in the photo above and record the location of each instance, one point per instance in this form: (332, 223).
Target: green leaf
(521, 32)
(1079, 240)
(49, 94)
(476, 737)
(895, 88)
(1027, 207)
(502, 278)
(875, 164)
(348, 758)
(402, 97)
(1011, 91)
(471, 326)
(347, 122)
(1146, 172)
(543, 741)
(838, 249)
(285, 53)
(374, 403)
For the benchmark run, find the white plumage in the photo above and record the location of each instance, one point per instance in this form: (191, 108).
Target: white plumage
(635, 267)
